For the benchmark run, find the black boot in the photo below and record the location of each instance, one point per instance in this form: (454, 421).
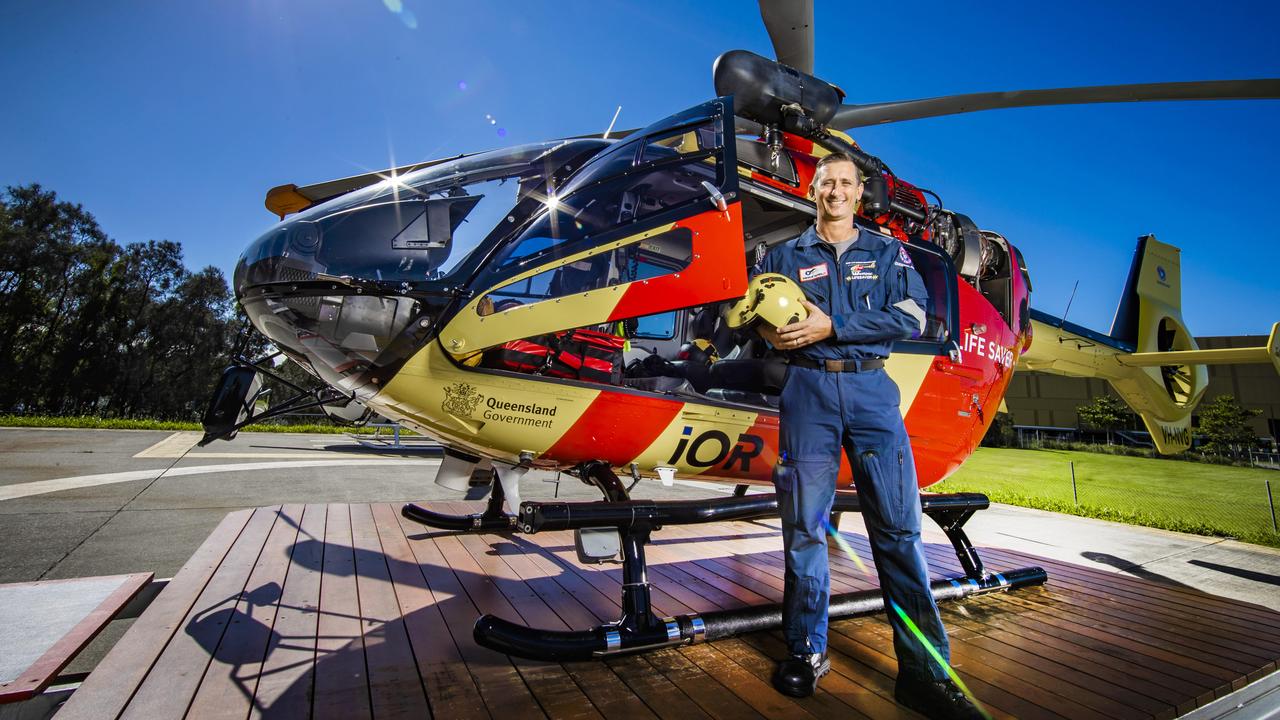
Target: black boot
(935, 699)
(798, 675)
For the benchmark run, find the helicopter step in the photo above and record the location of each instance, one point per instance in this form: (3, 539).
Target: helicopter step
(639, 629)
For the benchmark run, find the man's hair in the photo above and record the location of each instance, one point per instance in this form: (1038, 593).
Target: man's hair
(836, 157)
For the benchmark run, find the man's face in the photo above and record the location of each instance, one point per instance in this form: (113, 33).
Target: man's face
(836, 189)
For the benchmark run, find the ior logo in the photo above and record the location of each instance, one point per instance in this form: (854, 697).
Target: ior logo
(460, 399)
(713, 447)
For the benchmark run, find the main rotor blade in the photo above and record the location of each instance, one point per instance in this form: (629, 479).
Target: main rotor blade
(851, 116)
(790, 26)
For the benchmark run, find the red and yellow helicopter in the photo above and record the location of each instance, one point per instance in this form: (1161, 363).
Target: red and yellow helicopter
(558, 306)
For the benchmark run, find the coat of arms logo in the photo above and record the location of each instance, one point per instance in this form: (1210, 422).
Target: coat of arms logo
(460, 399)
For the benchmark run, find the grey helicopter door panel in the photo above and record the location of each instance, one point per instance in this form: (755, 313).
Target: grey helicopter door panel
(649, 225)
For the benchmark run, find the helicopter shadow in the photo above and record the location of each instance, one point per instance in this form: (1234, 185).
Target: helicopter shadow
(379, 623)
(277, 672)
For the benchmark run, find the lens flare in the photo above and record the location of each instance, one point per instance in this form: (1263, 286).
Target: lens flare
(848, 550)
(937, 657)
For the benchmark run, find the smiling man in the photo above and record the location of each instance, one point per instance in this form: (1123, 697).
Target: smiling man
(862, 295)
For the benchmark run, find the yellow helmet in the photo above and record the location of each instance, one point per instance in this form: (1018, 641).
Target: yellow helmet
(771, 298)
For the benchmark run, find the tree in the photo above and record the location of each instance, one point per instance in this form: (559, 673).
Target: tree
(1225, 426)
(1001, 432)
(90, 327)
(1104, 413)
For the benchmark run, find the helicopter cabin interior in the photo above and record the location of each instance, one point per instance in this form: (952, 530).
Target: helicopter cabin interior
(690, 352)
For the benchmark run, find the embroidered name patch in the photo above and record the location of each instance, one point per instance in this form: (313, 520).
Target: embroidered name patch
(862, 270)
(813, 273)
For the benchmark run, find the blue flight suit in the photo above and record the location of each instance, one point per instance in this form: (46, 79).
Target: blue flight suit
(874, 297)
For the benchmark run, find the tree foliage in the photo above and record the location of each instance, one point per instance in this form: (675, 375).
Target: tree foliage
(1104, 413)
(90, 327)
(1225, 426)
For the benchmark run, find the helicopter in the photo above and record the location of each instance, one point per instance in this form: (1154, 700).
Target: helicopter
(559, 307)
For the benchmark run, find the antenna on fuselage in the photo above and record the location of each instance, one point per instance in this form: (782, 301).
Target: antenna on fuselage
(1063, 320)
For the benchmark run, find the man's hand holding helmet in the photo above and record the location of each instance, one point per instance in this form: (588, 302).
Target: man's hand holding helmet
(815, 328)
(777, 307)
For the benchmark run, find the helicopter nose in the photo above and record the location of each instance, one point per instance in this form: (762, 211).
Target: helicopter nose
(349, 331)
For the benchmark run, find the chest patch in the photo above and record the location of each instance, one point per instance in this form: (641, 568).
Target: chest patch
(813, 272)
(862, 270)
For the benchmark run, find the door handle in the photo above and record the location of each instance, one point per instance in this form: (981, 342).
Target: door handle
(717, 198)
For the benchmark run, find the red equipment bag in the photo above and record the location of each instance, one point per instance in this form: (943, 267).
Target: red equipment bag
(575, 354)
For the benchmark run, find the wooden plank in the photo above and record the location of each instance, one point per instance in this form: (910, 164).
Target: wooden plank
(45, 668)
(662, 696)
(374, 619)
(711, 696)
(605, 690)
(1143, 678)
(1087, 584)
(1056, 613)
(865, 691)
(886, 639)
(285, 684)
(582, 605)
(1188, 597)
(728, 594)
(226, 691)
(1155, 646)
(341, 682)
(169, 688)
(1110, 696)
(855, 639)
(1234, 649)
(755, 692)
(451, 691)
(497, 679)
(108, 688)
(395, 689)
(556, 692)
(726, 700)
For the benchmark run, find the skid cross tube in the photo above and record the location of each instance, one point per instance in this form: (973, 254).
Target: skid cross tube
(639, 629)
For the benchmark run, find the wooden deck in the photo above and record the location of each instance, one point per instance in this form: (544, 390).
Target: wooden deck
(349, 611)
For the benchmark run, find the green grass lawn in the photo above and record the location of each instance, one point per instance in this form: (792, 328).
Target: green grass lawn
(86, 421)
(1171, 494)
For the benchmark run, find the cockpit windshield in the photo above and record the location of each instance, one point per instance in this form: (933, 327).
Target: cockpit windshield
(417, 227)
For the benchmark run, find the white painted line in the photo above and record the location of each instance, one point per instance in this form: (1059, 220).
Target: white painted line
(173, 446)
(317, 453)
(40, 487)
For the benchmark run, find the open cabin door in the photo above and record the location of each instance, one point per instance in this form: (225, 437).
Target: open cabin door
(651, 224)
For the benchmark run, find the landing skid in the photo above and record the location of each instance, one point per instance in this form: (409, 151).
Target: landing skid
(493, 518)
(639, 629)
(506, 489)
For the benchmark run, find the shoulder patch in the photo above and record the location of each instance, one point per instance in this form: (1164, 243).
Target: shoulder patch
(904, 260)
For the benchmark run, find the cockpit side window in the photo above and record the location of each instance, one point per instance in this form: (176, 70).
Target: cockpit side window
(597, 212)
(662, 254)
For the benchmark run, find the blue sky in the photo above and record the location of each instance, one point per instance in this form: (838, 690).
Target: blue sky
(171, 120)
